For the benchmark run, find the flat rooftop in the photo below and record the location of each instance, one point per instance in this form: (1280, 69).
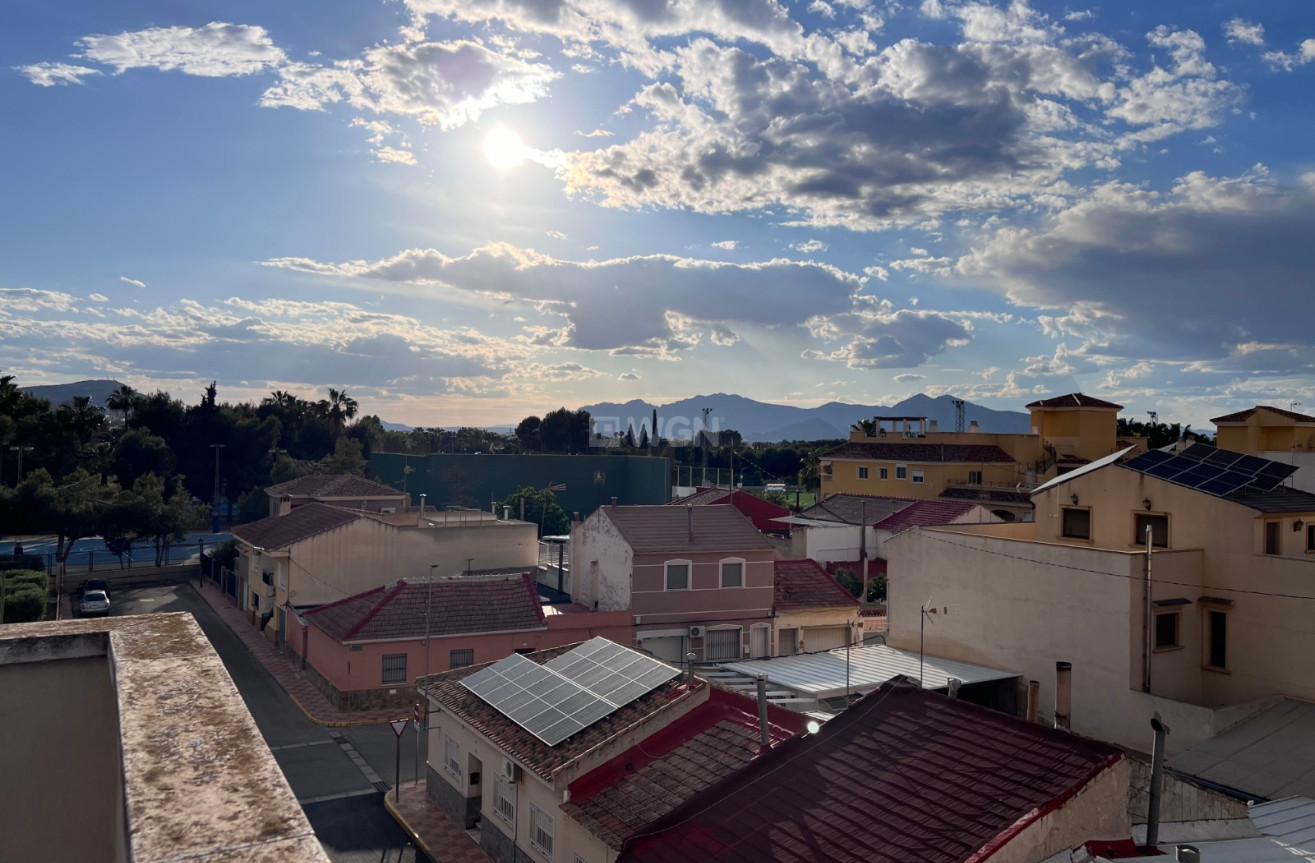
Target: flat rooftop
(130, 742)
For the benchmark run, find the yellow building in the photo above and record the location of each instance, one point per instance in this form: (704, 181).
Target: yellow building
(910, 457)
(1265, 429)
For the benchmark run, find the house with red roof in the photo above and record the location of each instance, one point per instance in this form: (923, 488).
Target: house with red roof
(698, 579)
(366, 650)
(341, 489)
(763, 513)
(903, 776)
(588, 795)
(813, 612)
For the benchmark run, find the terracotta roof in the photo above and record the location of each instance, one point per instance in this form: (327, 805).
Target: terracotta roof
(854, 508)
(1243, 416)
(1281, 499)
(805, 584)
(333, 485)
(925, 512)
(447, 607)
(531, 752)
(703, 497)
(280, 531)
(1074, 400)
(904, 775)
(619, 799)
(759, 510)
(934, 453)
(667, 528)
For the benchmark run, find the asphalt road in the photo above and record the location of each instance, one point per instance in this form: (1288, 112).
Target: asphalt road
(342, 803)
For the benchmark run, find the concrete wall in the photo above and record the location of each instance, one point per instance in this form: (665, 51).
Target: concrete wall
(61, 791)
(601, 563)
(1097, 811)
(491, 544)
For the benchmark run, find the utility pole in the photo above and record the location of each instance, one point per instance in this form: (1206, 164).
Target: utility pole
(214, 504)
(20, 450)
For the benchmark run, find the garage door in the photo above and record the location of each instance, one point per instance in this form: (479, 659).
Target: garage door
(670, 648)
(723, 644)
(824, 638)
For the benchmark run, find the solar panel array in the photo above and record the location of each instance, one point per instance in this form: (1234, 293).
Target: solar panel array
(570, 692)
(1212, 470)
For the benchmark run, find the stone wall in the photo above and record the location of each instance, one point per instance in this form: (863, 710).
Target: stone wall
(361, 699)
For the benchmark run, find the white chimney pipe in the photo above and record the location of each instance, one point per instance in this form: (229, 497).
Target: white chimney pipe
(1063, 694)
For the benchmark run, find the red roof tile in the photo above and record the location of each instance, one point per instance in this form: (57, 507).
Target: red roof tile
(902, 776)
(855, 508)
(1243, 416)
(805, 584)
(759, 510)
(620, 798)
(932, 453)
(281, 531)
(925, 512)
(667, 528)
(337, 485)
(447, 607)
(1074, 400)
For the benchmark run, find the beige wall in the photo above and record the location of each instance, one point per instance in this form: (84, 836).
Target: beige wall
(61, 781)
(491, 544)
(1098, 811)
(1086, 432)
(843, 478)
(601, 562)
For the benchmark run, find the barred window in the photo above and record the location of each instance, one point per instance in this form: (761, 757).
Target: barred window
(541, 831)
(394, 670)
(451, 756)
(504, 805)
(460, 658)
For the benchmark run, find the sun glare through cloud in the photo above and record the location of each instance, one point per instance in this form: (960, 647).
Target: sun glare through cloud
(504, 149)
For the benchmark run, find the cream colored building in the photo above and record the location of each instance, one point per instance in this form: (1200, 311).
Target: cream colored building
(1272, 433)
(910, 457)
(1207, 628)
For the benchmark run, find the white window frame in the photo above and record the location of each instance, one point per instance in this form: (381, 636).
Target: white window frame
(721, 572)
(502, 796)
(862, 472)
(883, 473)
(974, 477)
(917, 477)
(537, 820)
(451, 757)
(666, 574)
(901, 471)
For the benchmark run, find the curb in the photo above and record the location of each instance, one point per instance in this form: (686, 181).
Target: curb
(402, 822)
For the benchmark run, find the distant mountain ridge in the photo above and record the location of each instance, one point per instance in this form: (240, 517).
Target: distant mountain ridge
(61, 394)
(763, 421)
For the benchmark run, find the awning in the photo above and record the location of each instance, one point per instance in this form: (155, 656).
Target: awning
(823, 675)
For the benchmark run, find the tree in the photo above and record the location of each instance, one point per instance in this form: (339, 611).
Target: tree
(140, 452)
(630, 437)
(867, 426)
(83, 420)
(168, 513)
(566, 431)
(340, 409)
(122, 399)
(346, 458)
(527, 432)
(541, 508)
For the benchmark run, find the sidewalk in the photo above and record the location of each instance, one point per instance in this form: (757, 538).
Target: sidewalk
(431, 828)
(282, 668)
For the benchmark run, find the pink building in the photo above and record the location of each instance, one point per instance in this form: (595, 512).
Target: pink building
(368, 650)
(698, 579)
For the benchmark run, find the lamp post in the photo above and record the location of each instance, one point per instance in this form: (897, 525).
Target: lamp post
(20, 450)
(214, 505)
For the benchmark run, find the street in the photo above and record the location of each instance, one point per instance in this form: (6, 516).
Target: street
(329, 769)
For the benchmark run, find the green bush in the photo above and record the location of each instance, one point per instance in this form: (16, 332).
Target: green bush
(25, 577)
(24, 605)
(27, 561)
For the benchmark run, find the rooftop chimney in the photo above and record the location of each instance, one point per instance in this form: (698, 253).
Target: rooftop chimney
(933, 426)
(764, 732)
(973, 426)
(689, 518)
(1063, 694)
(1033, 700)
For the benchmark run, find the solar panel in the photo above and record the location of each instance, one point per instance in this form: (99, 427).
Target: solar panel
(1169, 469)
(1146, 459)
(1212, 470)
(1250, 464)
(570, 692)
(1222, 485)
(1195, 452)
(1223, 457)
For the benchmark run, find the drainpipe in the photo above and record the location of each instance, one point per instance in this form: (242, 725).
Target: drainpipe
(1063, 694)
(1033, 700)
(863, 550)
(689, 671)
(763, 731)
(1148, 631)
(1157, 780)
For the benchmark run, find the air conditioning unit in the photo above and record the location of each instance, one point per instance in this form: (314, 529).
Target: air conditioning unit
(511, 771)
(696, 632)
(269, 591)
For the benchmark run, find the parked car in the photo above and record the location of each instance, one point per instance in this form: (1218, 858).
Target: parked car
(94, 602)
(96, 584)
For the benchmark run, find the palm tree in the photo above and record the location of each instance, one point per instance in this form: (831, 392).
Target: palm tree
(867, 426)
(341, 407)
(83, 419)
(122, 399)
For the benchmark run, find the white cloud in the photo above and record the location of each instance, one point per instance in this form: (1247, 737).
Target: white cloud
(556, 235)
(728, 245)
(50, 74)
(215, 50)
(136, 283)
(627, 376)
(1082, 15)
(808, 247)
(1242, 32)
(1289, 61)
(395, 156)
(907, 378)
(875, 337)
(98, 298)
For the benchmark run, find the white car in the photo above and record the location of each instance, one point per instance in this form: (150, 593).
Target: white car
(94, 602)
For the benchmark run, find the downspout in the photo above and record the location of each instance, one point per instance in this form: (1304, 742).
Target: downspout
(1157, 781)
(863, 550)
(1147, 631)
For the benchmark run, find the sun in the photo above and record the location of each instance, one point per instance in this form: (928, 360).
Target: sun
(504, 149)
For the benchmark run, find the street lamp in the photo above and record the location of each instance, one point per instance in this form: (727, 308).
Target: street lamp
(20, 450)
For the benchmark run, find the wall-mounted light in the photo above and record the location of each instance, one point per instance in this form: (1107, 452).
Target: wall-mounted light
(1074, 497)
(1298, 525)
(1146, 502)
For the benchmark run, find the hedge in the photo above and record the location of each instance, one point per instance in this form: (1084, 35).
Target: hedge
(26, 604)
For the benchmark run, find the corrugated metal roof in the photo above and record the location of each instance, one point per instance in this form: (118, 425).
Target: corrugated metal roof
(1270, 756)
(1289, 828)
(1085, 469)
(822, 675)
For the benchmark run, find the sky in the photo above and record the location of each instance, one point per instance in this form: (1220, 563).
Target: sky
(468, 211)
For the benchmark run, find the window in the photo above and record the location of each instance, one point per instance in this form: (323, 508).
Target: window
(1077, 523)
(1310, 537)
(1166, 630)
(1216, 634)
(917, 475)
(267, 577)
(724, 644)
(677, 575)
(451, 757)
(394, 668)
(504, 804)
(883, 473)
(460, 658)
(732, 573)
(862, 473)
(541, 831)
(901, 471)
(974, 477)
(1271, 537)
(1159, 525)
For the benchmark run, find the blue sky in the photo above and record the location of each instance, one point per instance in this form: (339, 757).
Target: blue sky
(466, 211)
